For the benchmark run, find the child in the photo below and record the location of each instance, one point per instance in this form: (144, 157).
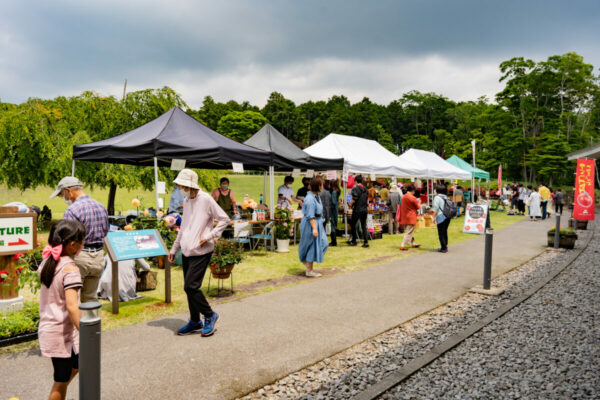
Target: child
(59, 297)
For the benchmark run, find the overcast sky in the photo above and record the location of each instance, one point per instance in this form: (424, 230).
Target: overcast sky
(307, 50)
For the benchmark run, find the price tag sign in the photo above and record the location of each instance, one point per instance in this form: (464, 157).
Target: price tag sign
(161, 187)
(238, 168)
(296, 172)
(373, 177)
(331, 175)
(310, 173)
(177, 165)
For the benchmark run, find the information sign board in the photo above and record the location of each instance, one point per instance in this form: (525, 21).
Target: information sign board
(127, 245)
(17, 233)
(177, 165)
(476, 218)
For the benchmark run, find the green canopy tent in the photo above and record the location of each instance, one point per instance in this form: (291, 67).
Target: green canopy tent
(475, 172)
(462, 164)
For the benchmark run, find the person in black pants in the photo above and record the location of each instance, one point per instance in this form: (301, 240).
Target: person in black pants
(441, 220)
(559, 201)
(359, 206)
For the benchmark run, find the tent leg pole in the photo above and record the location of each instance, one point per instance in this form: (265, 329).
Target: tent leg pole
(156, 183)
(73, 169)
(345, 210)
(272, 192)
(264, 196)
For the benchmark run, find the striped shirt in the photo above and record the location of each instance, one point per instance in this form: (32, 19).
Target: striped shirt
(92, 215)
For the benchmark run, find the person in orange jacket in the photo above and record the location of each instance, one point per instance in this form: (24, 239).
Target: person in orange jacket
(408, 217)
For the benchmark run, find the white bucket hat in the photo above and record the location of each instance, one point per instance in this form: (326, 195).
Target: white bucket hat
(187, 178)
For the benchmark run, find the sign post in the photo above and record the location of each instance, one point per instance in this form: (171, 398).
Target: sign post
(477, 218)
(129, 245)
(18, 233)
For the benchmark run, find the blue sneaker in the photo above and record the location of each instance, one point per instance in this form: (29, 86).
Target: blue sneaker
(190, 327)
(209, 324)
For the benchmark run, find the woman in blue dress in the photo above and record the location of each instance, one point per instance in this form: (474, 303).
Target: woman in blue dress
(313, 239)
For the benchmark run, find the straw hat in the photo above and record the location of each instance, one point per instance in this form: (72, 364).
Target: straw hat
(187, 178)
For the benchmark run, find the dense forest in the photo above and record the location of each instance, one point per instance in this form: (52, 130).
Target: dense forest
(545, 110)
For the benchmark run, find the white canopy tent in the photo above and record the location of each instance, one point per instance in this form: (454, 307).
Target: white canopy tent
(362, 156)
(432, 166)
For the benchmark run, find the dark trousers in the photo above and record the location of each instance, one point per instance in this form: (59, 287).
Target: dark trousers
(356, 217)
(544, 209)
(442, 229)
(333, 222)
(194, 268)
(558, 207)
(521, 205)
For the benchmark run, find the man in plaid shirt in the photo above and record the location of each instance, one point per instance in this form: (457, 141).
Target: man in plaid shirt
(94, 217)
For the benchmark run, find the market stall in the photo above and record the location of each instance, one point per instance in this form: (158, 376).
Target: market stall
(476, 173)
(361, 156)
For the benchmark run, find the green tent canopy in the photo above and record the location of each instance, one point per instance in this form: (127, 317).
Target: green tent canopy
(462, 164)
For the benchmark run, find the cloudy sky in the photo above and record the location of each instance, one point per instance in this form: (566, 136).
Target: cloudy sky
(307, 50)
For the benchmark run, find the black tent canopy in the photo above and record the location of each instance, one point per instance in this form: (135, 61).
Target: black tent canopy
(285, 155)
(173, 135)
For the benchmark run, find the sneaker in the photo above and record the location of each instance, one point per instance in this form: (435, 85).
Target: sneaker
(209, 325)
(416, 246)
(365, 245)
(442, 250)
(403, 248)
(313, 274)
(190, 327)
(351, 243)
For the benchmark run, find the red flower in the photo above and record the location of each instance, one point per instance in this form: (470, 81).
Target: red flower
(17, 256)
(19, 270)
(3, 275)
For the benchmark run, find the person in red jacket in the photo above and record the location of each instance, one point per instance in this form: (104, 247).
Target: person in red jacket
(408, 217)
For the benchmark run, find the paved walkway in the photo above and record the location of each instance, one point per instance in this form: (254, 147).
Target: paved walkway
(264, 337)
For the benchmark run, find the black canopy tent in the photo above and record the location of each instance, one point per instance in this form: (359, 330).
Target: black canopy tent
(286, 155)
(173, 135)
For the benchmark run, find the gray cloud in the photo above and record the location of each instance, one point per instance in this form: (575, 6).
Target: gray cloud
(64, 47)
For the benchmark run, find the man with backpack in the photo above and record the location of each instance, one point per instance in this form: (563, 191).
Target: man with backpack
(445, 210)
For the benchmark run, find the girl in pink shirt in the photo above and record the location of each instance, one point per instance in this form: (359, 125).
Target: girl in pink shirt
(59, 297)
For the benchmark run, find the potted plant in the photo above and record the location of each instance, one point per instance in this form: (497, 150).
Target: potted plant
(567, 240)
(282, 229)
(225, 255)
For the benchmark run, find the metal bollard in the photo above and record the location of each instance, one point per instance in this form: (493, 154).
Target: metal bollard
(89, 351)
(557, 232)
(487, 261)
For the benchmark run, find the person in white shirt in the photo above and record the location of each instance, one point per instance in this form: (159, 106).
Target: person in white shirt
(196, 239)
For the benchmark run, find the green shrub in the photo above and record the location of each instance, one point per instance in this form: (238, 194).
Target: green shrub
(19, 322)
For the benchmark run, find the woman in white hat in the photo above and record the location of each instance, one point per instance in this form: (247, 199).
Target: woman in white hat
(196, 238)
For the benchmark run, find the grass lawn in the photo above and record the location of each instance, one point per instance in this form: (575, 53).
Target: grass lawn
(265, 272)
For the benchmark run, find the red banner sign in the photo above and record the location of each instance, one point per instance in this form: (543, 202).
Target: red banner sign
(584, 190)
(500, 177)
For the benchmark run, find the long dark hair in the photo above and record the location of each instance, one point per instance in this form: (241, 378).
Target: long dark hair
(334, 185)
(62, 232)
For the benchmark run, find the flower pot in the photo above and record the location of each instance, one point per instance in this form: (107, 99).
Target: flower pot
(283, 245)
(581, 224)
(221, 273)
(566, 241)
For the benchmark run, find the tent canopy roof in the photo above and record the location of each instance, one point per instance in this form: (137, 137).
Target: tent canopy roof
(430, 165)
(361, 155)
(462, 164)
(173, 135)
(592, 151)
(286, 155)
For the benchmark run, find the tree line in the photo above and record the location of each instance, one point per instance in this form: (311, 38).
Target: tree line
(545, 110)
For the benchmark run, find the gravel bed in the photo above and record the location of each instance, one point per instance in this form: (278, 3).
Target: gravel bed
(548, 347)
(353, 370)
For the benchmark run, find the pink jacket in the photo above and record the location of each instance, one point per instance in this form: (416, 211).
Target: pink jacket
(197, 223)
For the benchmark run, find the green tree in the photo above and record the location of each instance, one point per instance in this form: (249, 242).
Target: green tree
(240, 125)
(281, 113)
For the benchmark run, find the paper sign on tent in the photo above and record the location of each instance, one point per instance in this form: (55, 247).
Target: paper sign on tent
(161, 187)
(177, 164)
(296, 172)
(331, 175)
(310, 173)
(238, 168)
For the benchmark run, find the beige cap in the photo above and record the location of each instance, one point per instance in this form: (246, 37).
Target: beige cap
(66, 182)
(188, 178)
